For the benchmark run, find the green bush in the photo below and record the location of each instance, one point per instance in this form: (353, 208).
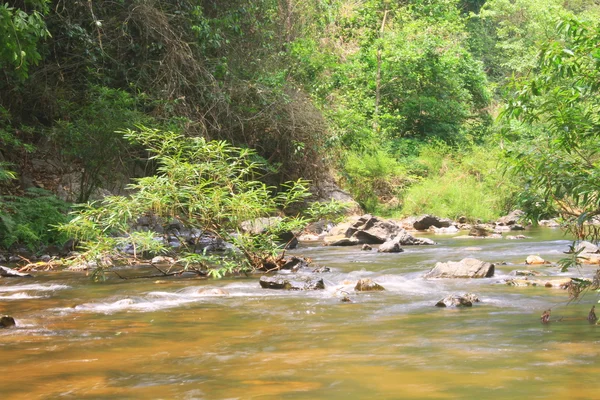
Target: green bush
(30, 220)
(208, 185)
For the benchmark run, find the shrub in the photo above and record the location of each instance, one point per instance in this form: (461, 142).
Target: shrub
(31, 220)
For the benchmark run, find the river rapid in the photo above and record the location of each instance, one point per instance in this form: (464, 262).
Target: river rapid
(230, 339)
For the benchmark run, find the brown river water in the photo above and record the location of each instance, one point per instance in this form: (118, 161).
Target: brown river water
(137, 339)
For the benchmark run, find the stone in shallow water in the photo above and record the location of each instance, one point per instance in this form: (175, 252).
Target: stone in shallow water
(285, 283)
(7, 321)
(455, 300)
(535, 260)
(367, 285)
(466, 268)
(11, 273)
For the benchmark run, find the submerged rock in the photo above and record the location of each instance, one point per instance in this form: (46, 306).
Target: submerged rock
(7, 321)
(560, 283)
(341, 241)
(455, 300)
(367, 285)
(525, 273)
(466, 268)
(11, 273)
(366, 247)
(285, 283)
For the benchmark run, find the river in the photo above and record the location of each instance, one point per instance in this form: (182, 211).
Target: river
(185, 340)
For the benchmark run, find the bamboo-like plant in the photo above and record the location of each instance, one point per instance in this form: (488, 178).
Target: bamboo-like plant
(208, 185)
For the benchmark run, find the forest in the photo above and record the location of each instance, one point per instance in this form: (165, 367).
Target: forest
(457, 108)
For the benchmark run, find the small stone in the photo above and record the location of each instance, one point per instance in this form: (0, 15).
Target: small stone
(454, 300)
(367, 285)
(366, 247)
(535, 260)
(7, 321)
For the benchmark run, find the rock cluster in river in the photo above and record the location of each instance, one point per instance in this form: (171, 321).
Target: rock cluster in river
(371, 230)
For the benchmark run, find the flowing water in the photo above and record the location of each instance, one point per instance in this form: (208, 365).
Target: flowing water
(184, 339)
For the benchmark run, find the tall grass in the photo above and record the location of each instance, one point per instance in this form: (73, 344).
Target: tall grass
(468, 182)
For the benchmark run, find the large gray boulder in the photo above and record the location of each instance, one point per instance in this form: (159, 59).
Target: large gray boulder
(372, 230)
(466, 268)
(391, 246)
(424, 222)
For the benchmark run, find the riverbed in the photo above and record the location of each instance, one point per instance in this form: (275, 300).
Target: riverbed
(230, 339)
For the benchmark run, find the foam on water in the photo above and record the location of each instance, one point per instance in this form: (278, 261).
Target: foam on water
(20, 296)
(32, 287)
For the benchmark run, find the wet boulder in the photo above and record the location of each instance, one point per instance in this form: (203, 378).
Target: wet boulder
(295, 263)
(366, 247)
(7, 321)
(466, 268)
(424, 222)
(391, 246)
(455, 300)
(287, 283)
(372, 230)
(6, 272)
(367, 285)
(406, 239)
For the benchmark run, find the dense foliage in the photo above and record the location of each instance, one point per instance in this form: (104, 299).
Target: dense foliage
(209, 186)
(396, 101)
(556, 113)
